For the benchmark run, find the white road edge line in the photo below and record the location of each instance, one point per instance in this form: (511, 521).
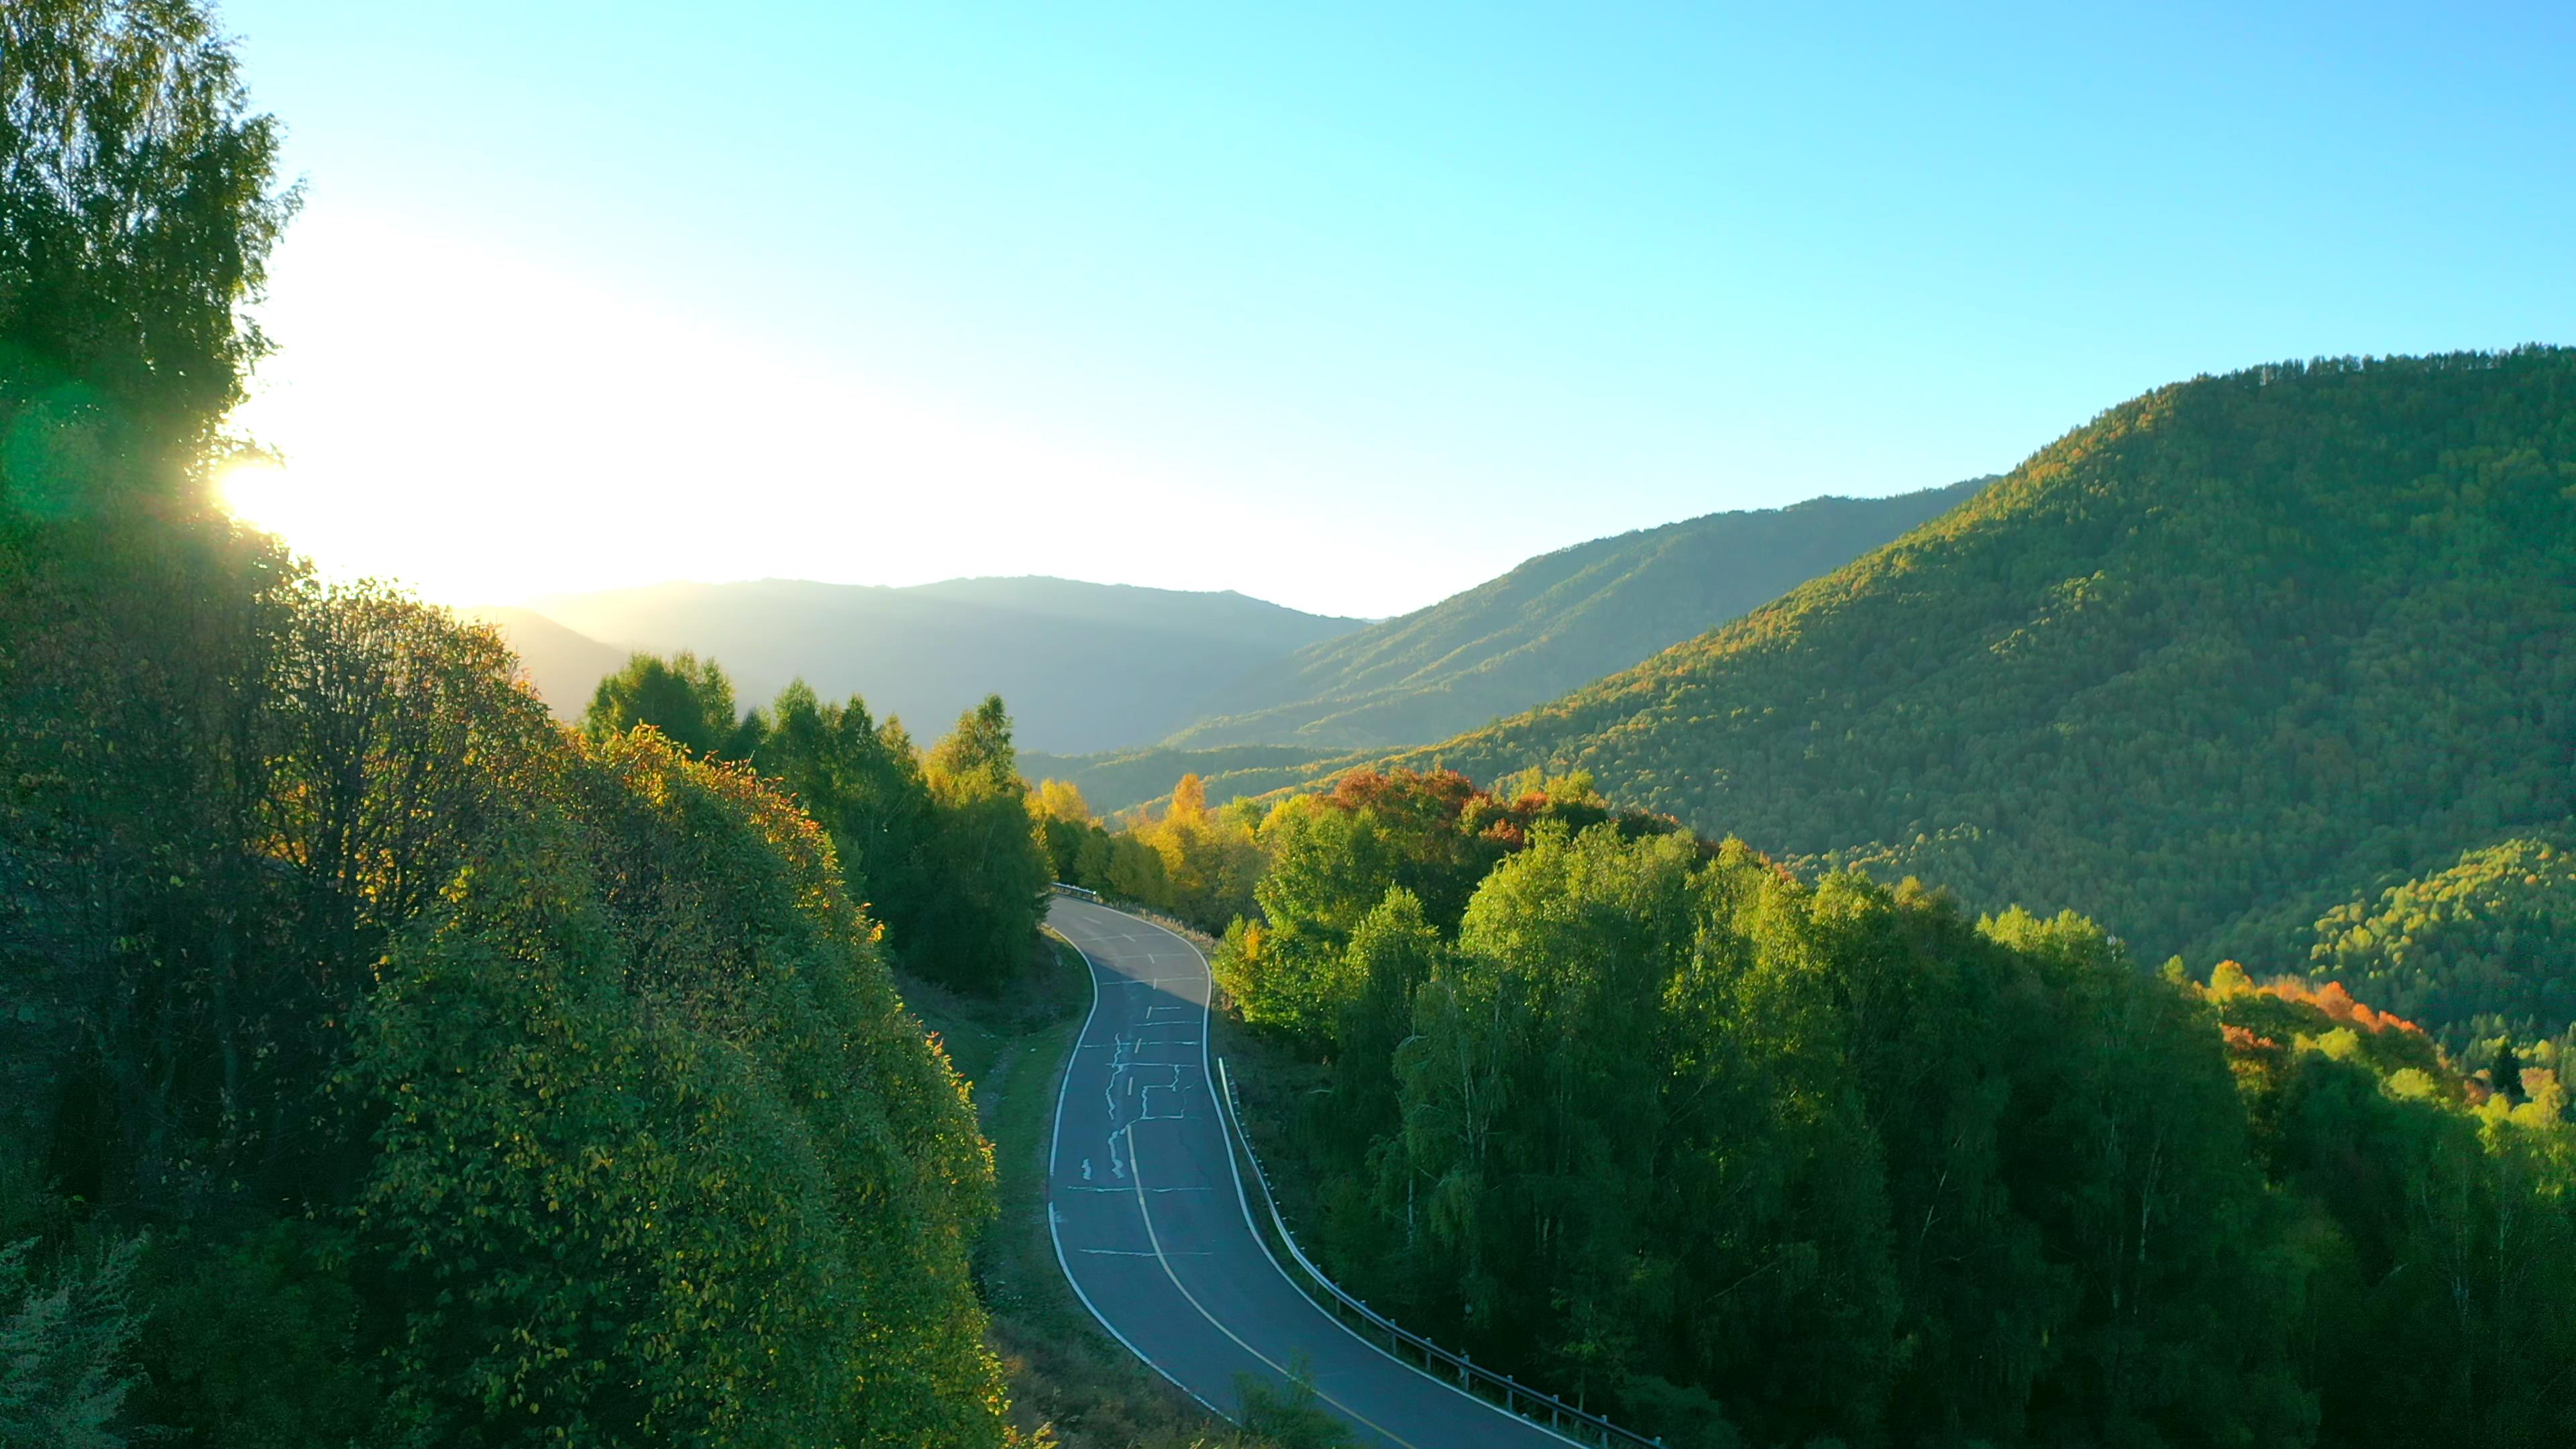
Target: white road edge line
(1223, 1114)
(1057, 1237)
(1192, 1299)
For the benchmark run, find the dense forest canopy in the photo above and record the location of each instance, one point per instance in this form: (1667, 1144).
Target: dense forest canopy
(1746, 1157)
(2485, 948)
(307, 898)
(941, 847)
(2208, 668)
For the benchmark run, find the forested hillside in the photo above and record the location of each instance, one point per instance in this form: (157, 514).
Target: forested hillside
(1088, 666)
(387, 1066)
(2485, 948)
(2234, 654)
(1121, 780)
(380, 1062)
(1555, 623)
(938, 845)
(1743, 1157)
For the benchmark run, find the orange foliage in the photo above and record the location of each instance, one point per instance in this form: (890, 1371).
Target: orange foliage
(2246, 1043)
(2260, 1022)
(1405, 794)
(2339, 1005)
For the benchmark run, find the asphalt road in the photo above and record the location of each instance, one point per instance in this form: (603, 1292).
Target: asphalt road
(1153, 1227)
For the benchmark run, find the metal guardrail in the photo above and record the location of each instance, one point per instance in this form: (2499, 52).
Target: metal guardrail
(1075, 891)
(1581, 1425)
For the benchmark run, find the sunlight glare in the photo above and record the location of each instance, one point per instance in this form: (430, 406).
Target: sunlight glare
(524, 429)
(259, 493)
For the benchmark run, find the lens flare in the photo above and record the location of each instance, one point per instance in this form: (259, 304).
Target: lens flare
(258, 492)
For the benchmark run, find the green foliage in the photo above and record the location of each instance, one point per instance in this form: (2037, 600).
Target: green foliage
(1730, 1152)
(2490, 941)
(1293, 1417)
(136, 217)
(1065, 826)
(945, 851)
(1326, 862)
(2201, 666)
(572, 1057)
(475, 1086)
(64, 1337)
(690, 702)
(2438, 1238)
(989, 871)
(663, 1156)
(1209, 859)
(1555, 623)
(863, 783)
(255, 1340)
(1122, 781)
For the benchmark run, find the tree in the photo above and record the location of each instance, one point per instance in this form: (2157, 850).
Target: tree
(689, 701)
(137, 211)
(988, 875)
(2491, 936)
(661, 1156)
(863, 783)
(64, 1371)
(1065, 828)
(1209, 859)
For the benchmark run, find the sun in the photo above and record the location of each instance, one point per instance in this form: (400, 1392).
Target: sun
(258, 492)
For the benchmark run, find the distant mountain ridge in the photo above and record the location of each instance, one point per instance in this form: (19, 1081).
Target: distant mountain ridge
(2232, 654)
(1554, 623)
(1083, 666)
(563, 665)
(1114, 782)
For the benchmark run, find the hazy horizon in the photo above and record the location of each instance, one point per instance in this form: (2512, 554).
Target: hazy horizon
(535, 602)
(1347, 310)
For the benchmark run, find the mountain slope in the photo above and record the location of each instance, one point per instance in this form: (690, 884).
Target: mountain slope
(1083, 666)
(1553, 624)
(2204, 668)
(1120, 780)
(2489, 941)
(564, 666)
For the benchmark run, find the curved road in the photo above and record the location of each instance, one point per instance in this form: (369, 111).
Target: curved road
(1153, 1227)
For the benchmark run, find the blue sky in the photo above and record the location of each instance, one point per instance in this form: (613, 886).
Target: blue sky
(1343, 306)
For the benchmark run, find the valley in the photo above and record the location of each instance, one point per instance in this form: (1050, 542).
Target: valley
(2080, 955)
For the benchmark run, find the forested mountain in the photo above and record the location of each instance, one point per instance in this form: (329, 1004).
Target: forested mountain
(1103, 669)
(381, 1062)
(1555, 623)
(373, 1042)
(1087, 666)
(2231, 655)
(561, 665)
(2483, 948)
(1120, 780)
(1746, 1158)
